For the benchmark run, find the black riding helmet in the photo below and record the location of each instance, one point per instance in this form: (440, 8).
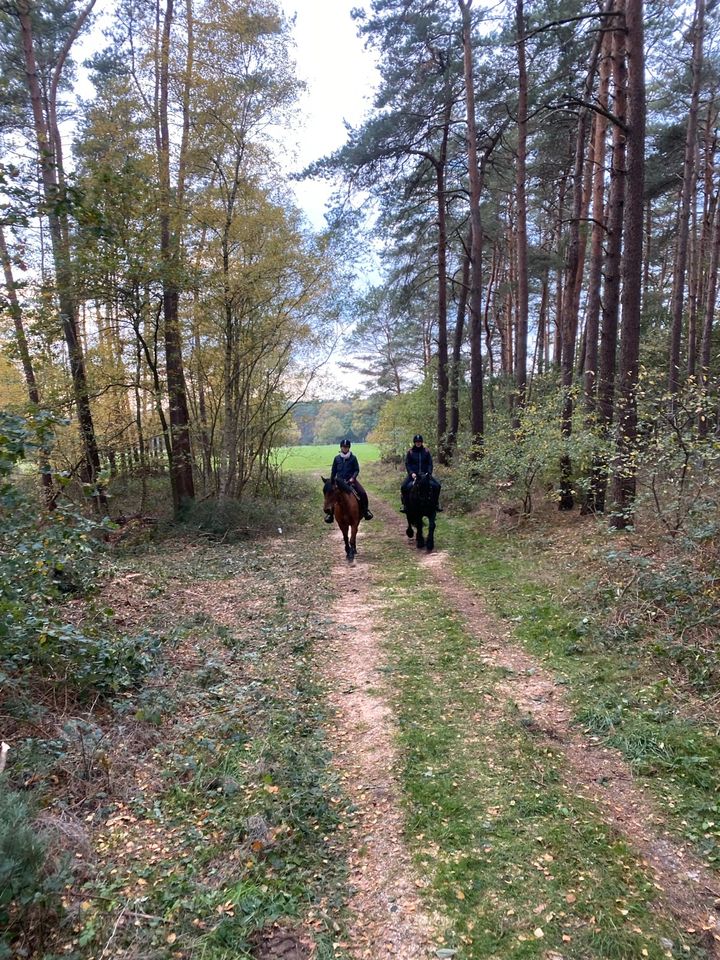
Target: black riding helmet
(345, 443)
(417, 438)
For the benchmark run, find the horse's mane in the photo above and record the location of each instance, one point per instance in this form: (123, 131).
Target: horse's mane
(421, 486)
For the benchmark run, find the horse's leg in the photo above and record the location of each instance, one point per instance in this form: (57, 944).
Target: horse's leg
(344, 529)
(353, 541)
(420, 539)
(410, 532)
(430, 543)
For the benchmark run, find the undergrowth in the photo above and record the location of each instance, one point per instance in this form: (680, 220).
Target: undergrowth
(521, 866)
(232, 825)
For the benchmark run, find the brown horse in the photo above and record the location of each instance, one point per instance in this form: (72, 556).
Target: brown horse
(345, 507)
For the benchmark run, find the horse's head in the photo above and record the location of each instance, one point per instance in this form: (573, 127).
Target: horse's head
(329, 493)
(422, 485)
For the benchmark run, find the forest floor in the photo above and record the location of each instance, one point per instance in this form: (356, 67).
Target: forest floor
(369, 760)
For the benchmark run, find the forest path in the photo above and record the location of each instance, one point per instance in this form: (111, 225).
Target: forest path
(388, 917)
(686, 888)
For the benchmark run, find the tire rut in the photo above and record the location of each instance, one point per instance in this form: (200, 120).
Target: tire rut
(601, 774)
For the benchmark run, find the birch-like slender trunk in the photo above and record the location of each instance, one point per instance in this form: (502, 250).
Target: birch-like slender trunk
(477, 415)
(52, 176)
(683, 229)
(181, 473)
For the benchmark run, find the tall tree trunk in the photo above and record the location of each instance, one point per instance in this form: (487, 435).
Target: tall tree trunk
(50, 160)
(181, 476)
(647, 249)
(678, 297)
(624, 480)
(454, 399)
(542, 337)
(442, 373)
(569, 321)
(557, 337)
(709, 315)
(695, 274)
(592, 314)
(594, 498)
(16, 313)
(521, 197)
(477, 417)
(614, 241)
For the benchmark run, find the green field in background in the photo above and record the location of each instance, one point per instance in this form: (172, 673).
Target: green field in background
(320, 457)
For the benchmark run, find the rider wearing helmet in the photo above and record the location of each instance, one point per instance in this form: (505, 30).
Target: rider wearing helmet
(419, 460)
(345, 468)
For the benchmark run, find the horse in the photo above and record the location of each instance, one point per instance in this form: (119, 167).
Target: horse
(345, 506)
(419, 503)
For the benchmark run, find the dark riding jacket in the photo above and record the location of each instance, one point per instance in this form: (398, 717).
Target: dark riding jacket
(418, 461)
(345, 468)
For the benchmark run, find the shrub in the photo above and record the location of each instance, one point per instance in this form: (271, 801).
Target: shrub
(402, 417)
(252, 516)
(29, 891)
(520, 462)
(677, 463)
(47, 555)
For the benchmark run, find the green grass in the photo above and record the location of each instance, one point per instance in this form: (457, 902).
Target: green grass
(620, 688)
(522, 867)
(320, 457)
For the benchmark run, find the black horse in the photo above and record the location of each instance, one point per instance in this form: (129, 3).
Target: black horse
(419, 503)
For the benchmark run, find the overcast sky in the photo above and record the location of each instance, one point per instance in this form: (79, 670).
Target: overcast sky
(340, 77)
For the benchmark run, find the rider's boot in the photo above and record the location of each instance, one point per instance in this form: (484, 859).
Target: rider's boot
(329, 516)
(367, 515)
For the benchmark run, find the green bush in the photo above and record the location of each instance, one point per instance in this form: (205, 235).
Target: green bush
(29, 891)
(252, 516)
(673, 602)
(677, 464)
(402, 417)
(46, 555)
(519, 463)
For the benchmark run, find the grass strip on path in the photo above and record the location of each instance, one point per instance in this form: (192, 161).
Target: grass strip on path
(522, 867)
(621, 692)
(537, 579)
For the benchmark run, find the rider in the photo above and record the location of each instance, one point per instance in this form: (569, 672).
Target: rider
(419, 460)
(345, 467)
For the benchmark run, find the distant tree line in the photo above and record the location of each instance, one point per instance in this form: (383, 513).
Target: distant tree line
(329, 421)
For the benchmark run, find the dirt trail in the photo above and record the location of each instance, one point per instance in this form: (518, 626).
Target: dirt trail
(688, 888)
(389, 918)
